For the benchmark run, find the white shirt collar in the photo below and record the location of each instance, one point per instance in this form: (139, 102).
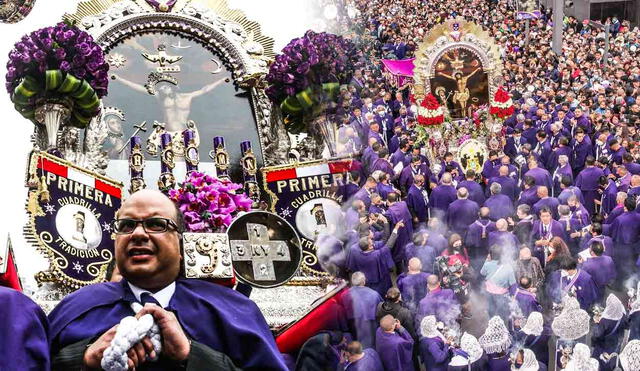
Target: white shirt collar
(163, 296)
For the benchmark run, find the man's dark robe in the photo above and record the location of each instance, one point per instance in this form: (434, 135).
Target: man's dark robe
(547, 202)
(395, 349)
(538, 344)
(369, 362)
(461, 214)
(500, 206)
(602, 270)
(527, 301)
(434, 353)
(498, 362)
(425, 253)
(587, 182)
(210, 314)
(360, 309)
(375, 264)
(475, 191)
(417, 202)
(509, 186)
(441, 303)
(541, 176)
(397, 212)
(24, 331)
(585, 289)
(413, 288)
(606, 337)
(528, 197)
(441, 197)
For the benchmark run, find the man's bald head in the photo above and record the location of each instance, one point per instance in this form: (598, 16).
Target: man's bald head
(502, 225)
(484, 212)
(446, 178)
(504, 171)
(543, 192)
(387, 323)
(433, 281)
(415, 265)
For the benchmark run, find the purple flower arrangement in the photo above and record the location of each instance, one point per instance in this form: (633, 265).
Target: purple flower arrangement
(209, 204)
(62, 47)
(60, 62)
(313, 59)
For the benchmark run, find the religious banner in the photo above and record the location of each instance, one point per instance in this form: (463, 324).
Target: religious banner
(265, 249)
(308, 196)
(528, 9)
(70, 213)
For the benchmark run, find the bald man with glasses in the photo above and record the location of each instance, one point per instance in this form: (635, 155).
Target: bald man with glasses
(203, 325)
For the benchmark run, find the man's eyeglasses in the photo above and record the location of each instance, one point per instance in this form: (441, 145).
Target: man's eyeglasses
(150, 225)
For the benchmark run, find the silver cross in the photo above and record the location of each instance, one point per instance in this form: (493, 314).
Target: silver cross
(260, 251)
(138, 129)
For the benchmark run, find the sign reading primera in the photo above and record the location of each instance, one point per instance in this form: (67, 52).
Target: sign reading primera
(309, 196)
(70, 211)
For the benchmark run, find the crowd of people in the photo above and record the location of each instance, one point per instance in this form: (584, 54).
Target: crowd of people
(545, 236)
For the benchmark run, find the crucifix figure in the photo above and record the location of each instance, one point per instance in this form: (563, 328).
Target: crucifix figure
(176, 106)
(260, 251)
(461, 96)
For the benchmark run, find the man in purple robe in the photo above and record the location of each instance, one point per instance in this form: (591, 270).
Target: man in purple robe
(607, 194)
(543, 231)
(418, 201)
(397, 212)
(625, 232)
(508, 184)
(570, 280)
(529, 195)
(442, 196)
(582, 148)
(394, 345)
(462, 212)
(374, 263)
(364, 194)
(370, 154)
(587, 182)
(568, 189)
(408, 174)
(545, 201)
(439, 302)
(359, 359)
(24, 330)
(540, 175)
(572, 228)
(505, 239)
(476, 193)
(383, 164)
(360, 304)
(600, 267)
(419, 249)
(562, 170)
(400, 154)
(525, 298)
(500, 206)
(448, 161)
(476, 238)
(147, 254)
(413, 284)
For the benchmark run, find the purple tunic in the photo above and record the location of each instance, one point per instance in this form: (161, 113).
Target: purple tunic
(585, 289)
(500, 206)
(427, 255)
(541, 176)
(382, 165)
(395, 349)
(240, 330)
(527, 302)
(602, 270)
(477, 237)
(441, 197)
(369, 362)
(441, 303)
(375, 265)
(587, 182)
(461, 213)
(413, 288)
(509, 187)
(24, 331)
(529, 197)
(360, 302)
(417, 199)
(434, 353)
(475, 191)
(498, 362)
(548, 202)
(568, 192)
(400, 212)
